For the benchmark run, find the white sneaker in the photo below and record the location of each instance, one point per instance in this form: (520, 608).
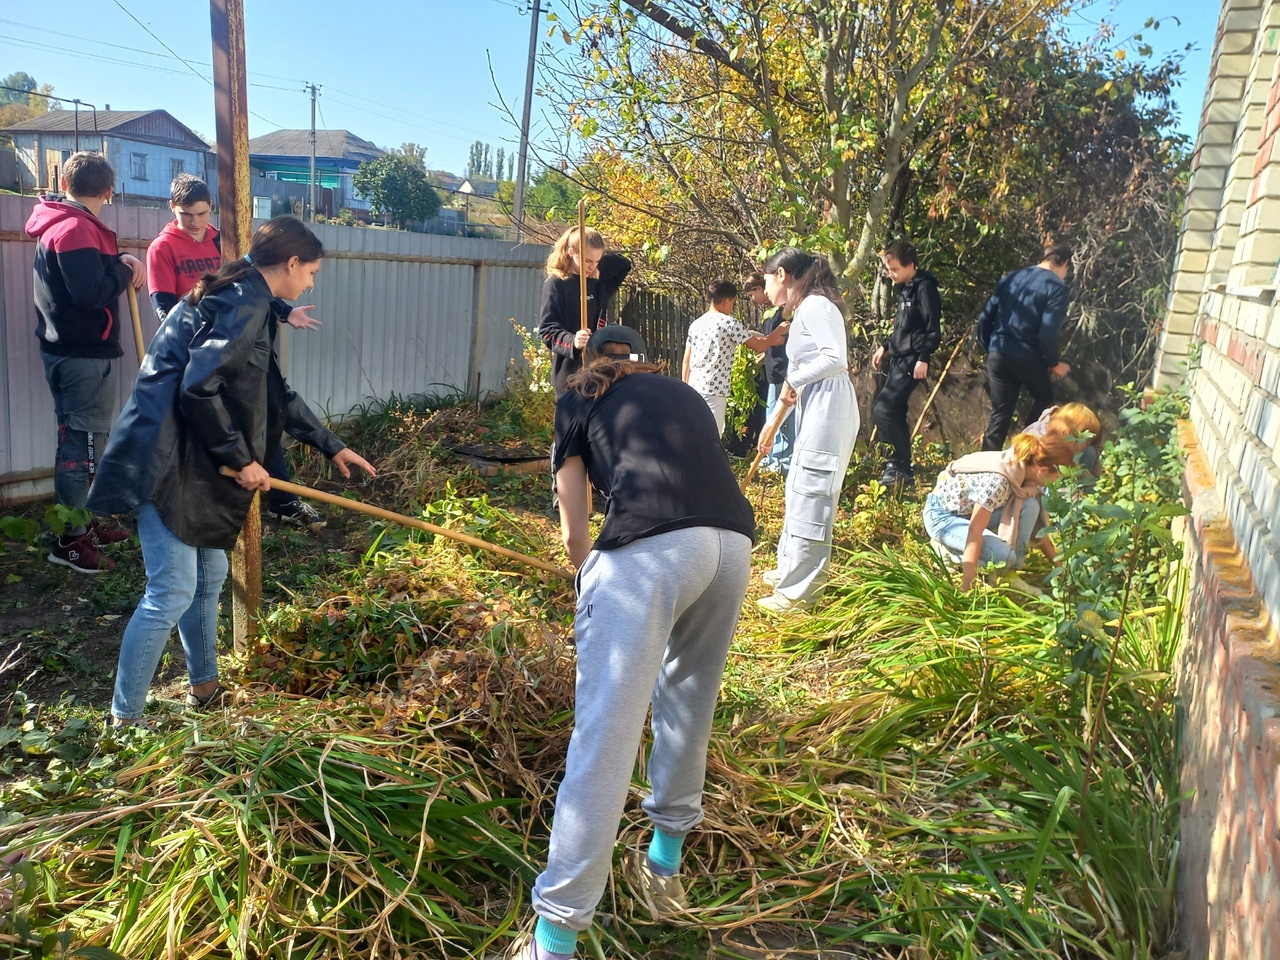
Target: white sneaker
(771, 578)
(776, 603)
(664, 896)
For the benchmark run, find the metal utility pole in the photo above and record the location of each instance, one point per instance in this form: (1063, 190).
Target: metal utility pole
(522, 164)
(231, 104)
(312, 88)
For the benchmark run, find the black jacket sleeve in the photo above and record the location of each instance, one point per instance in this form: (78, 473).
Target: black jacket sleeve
(931, 315)
(93, 279)
(301, 423)
(987, 319)
(554, 327)
(614, 268)
(162, 303)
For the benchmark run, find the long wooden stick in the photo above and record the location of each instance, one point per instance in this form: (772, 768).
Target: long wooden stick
(582, 261)
(934, 392)
(770, 431)
(582, 296)
(137, 324)
(300, 491)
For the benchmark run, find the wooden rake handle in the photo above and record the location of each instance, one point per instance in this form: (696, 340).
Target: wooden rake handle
(770, 431)
(300, 491)
(137, 323)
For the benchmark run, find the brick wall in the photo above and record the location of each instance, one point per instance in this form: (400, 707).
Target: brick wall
(1228, 679)
(1225, 304)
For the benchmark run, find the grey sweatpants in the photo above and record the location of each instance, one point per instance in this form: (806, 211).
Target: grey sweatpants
(653, 626)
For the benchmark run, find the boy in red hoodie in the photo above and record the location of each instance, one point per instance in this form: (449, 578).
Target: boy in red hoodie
(79, 276)
(186, 249)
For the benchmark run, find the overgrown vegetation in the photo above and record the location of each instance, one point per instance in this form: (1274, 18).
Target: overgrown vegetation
(913, 771)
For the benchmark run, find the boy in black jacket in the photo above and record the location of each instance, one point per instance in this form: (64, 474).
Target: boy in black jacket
(917, 331)
(79, 276)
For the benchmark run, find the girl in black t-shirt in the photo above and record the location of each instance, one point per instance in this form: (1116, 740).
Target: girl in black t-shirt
(659, 593)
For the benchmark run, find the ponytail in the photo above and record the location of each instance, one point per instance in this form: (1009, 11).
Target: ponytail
(593, 380)
(275, 242)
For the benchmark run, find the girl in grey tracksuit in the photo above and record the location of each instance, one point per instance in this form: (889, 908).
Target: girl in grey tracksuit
(659, 593)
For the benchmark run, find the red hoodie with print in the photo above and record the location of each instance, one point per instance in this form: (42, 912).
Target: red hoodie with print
(78, 278)
(176, 261)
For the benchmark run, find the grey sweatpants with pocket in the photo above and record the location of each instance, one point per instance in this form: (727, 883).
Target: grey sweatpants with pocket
(653, 627)
(826, 427)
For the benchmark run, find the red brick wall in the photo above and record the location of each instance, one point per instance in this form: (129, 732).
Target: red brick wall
(1229, 689)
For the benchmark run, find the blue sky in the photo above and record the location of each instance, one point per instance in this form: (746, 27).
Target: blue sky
(389, 70)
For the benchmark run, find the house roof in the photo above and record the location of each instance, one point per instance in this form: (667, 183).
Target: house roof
(148, 126)
(331, 144)
(479, 187)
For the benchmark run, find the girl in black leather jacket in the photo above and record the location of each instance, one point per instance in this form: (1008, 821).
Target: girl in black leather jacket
(209, 395)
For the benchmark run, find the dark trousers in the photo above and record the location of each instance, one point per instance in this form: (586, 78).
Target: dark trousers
(890, 409)
(279, 469)
(1006, 377)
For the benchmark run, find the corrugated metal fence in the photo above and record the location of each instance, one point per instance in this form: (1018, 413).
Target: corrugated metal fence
(403, 314)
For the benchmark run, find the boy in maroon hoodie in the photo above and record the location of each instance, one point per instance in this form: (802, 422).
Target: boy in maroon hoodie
(186, 249)
(79, 276)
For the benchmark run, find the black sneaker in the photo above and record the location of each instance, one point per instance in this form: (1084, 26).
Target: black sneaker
(299, 514)
(81, 554)
(894, 475)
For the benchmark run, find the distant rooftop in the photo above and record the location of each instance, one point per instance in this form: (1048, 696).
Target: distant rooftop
(140, 124)
(332, 144)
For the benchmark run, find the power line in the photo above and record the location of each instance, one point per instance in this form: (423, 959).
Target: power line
(176, 56)
(63, 35)
(179, 58)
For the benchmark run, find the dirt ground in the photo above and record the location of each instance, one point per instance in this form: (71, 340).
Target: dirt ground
(60, 631)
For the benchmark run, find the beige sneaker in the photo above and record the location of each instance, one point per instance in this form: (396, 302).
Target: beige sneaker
(771, 578)
(664, 896)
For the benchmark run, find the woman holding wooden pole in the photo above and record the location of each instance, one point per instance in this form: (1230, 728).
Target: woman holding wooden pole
(209, 395)
(826, 412)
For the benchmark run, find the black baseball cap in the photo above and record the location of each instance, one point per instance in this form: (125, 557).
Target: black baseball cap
(618, 333)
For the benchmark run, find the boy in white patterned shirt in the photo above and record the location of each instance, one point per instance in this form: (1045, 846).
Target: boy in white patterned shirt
(713, 340)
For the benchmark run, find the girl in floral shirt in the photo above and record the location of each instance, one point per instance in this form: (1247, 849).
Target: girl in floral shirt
(970, 489)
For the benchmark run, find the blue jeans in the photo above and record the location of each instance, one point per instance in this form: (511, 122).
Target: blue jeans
(1028, 524)
(183, 585)
(780, 455)
(952, 531)
(84, 400)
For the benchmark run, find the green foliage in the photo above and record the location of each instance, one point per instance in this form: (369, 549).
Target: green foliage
(60, 518)
(397, 187)
(743, 395)
(19, 528)
(1114, 535)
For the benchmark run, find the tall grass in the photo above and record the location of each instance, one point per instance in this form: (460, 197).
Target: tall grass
(912, 772)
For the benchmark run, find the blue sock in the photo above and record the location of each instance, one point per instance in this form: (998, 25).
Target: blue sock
(553, 943)
(664, 853)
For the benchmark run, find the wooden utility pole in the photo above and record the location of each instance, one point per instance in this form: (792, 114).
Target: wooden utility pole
(312, 213)
(231, 103)
(522, 167)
